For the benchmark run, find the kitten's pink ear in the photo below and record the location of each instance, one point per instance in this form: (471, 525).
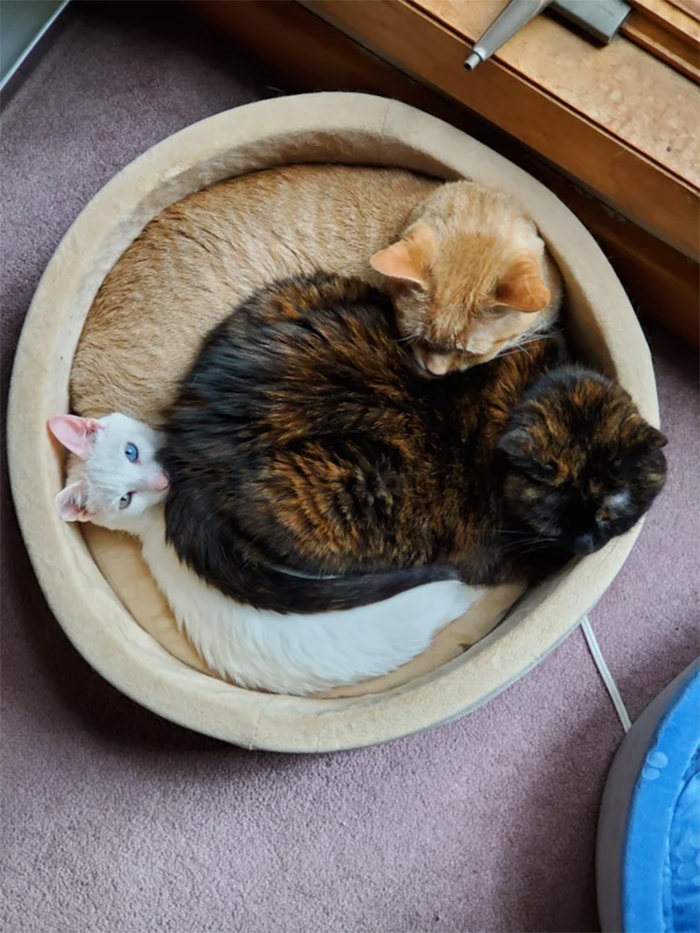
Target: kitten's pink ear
(77, 434)
(522, 288)
(71, 502)
(407, 260)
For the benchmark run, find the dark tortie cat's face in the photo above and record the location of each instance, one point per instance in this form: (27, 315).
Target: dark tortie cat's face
(584, 466)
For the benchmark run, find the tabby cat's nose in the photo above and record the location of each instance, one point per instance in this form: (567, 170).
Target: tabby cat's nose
(437, 364)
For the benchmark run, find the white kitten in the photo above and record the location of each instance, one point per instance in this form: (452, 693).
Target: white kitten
(114, 480)
(113, 476)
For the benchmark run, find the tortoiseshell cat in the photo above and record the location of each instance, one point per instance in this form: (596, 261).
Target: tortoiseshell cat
(307, 438)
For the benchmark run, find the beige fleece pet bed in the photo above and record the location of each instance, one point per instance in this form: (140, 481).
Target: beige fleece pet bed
(147, 659)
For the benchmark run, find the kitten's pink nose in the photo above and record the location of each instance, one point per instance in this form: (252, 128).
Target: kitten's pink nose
(160, 482)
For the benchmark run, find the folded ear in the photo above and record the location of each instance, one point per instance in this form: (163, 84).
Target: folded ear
(408, 259)
(77, 434)
(521, 287)
(650, 437)
(71, 502)
(515, 443)
(657, 440)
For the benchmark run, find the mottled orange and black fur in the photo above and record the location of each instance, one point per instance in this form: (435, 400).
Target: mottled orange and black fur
(307, 438)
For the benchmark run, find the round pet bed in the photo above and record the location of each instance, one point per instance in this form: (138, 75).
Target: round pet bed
(323, 128)
(649, 832)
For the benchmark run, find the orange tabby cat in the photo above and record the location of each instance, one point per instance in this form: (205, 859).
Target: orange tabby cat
(467, 270)
(479, 280)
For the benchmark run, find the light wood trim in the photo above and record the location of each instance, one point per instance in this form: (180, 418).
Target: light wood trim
(309, 54)
(683, 23)
(619, 88)
(668, 33)
(664, 45)
(640, 188)
(691, 7)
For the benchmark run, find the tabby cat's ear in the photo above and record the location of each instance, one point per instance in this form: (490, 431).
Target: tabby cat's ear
(408, 259)
(77, 434)
(71, 502)
(521, 287)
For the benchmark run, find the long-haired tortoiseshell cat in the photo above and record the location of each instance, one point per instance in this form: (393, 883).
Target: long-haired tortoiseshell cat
(306, 439)
(466, 267)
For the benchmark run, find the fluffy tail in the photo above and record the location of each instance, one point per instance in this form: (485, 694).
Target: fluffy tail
(269, 588)
(222, 556)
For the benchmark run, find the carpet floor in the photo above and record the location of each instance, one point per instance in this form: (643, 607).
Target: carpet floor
(115, 820)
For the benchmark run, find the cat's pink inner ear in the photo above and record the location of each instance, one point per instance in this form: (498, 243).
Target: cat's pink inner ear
(406, 261)
(522, 288)
(75, 433)
(71, 502)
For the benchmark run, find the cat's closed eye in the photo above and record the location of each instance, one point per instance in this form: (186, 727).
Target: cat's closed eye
(541, 472)
(131, 452)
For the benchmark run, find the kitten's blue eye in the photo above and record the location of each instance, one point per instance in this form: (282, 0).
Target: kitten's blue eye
(132, 452)
(125, 500)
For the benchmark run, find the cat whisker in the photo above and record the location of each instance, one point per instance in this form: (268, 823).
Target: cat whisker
(505, 531)
(512, 545)
(408, 341)
(536, 337)
(530, 544)
(513, 351)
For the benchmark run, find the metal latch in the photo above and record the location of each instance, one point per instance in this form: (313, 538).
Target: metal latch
(599, 18)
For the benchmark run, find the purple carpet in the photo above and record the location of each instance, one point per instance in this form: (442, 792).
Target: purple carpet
(118, 822)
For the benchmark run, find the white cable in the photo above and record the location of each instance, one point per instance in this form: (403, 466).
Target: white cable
(605, 674)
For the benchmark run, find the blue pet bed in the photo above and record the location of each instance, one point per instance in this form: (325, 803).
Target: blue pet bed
(648, 858)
